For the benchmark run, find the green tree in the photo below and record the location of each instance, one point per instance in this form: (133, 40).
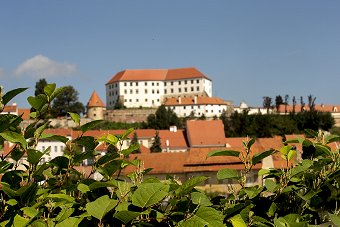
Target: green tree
(156, 145)
(66, 102)
(39, 86)
(267, 103)
(278, 102)
(134, 140)
(163, 118)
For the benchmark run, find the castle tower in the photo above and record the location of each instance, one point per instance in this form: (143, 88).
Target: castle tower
(95, 107)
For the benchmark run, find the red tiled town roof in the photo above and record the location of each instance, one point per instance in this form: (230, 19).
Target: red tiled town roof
(318, 107)
(175, 139)
(205, 133)
(10, 109)
(191, 101)
(156, 75)
(25, 113)
(95, 101)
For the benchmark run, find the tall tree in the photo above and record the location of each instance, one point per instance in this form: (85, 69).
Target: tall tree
(163, 118)
(67, 101)
(286, 102)
(267, 103)
(278, 102)
(311, 102)
(302, 104)
(134, 140)
(39, 86)
(156, 145)
(294, 104)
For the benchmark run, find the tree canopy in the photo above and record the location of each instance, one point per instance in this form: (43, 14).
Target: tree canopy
(66, 102)
(163, 118)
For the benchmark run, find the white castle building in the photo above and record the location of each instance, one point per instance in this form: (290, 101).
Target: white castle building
(150, 87)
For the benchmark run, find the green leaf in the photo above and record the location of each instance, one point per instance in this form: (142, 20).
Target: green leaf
(263, 172)
(227, 174)
(148, 194)
(16, 154)
(126, 133)
(252, 192)
(291, 154)
(130, 149)
(126, 216)
(70, 222)
(56, 92)
(64, 214)
(322, 150)
(61, 197)
(259, 157)
(204, 216)
(272, 209)
(90, 125)
(224, 153)
(101, 206)
(250, 143)
(49, 89)
(107, 158)
(200, 199)
(285, 150)
(30, 211)
(311, 133)
(188, 185)
(34, 156)
(83, 188)
(38, 101)
(11, 94)
(12, 202)
(270, 185)
(14, 137)
(20, 221)
(75, 117)
(335, 219)
(332, 138)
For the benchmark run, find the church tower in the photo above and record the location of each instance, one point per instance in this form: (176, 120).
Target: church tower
(95, 107)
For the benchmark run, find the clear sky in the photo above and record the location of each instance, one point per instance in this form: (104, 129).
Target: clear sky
(249, 49)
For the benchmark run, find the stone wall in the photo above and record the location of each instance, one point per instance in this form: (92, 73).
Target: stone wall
(128, 115)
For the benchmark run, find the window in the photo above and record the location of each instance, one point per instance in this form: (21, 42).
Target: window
(61, 148)
(116, 85)
(172, 83)
(43, 148)
(130, 91)
(165, 91)
(153, 91)
(179, 90)
(146, 91)
(124, 83)
(136, 83)
(192, 107)
(186, 89)
(153, 84)
(157, 100)
(55, 149)
(192, 88)
(125, 91)
(164, 83)
(136, 91)
(131, 83)
(137, 100)
(125, 100)
(199, 107)
(130, 100)
(184, 107)
(179, 82)
(172, 90)
(146, 83)
(185, 82)
(157, 91)
(192, 81)
(197, 81)
(146, 100)
(197, 88)
(116, 93)
(157, 84)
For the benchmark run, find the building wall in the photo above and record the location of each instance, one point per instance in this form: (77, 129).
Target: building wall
(134, 94)
(96, 113)
(209, 110)
(128, 115)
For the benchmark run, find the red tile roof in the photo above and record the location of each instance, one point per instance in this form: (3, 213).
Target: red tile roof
(156, 75)
(204, 133)
(10, 109)
(175, 139)
(191, 101)
(95, 101)
(25, 113)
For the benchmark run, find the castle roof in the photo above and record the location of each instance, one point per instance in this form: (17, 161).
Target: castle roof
(156, 75)
(194, 101)
(95, 101)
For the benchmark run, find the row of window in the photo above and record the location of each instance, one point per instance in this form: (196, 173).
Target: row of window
(136, 91)
(111, 86)
(137, 100)
(54, 150)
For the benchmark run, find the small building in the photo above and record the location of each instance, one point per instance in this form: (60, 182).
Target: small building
(95, 107)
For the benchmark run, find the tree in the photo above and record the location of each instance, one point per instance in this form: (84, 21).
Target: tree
(302, 104)
(267, 103)
(278, 102)
(67, 101)
(294, 104)
(286, 102)
(156, 145)
(163, 118)
(39, 86)
(311, 102)
(134, 141)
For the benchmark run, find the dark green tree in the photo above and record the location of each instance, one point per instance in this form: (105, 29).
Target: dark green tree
(286, 102)
(278, 102)
(294, 104)
(311, 102)
(267, 103)
(163, 118)
(134, 140)
(156, 145)
(39, 86)
(67, 101)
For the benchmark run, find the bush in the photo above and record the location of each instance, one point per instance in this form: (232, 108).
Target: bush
(56, 194)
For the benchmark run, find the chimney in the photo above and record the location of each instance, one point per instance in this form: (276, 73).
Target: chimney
(167, 143)
(179, 100)
(195, 99)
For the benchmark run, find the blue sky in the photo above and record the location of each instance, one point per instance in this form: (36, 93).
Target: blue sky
(249, 49)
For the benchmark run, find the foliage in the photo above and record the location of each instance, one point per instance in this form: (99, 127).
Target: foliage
(305, 192)
(156, 144)
(39, 87)
(162, 119)
(67, 101)
(134, 141)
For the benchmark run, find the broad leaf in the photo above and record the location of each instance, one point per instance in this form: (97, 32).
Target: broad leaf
(237, 221)
(227, 174)
(126, 133)
(70, 222)
(335, 219)
(101, 206)
(148, 194)
(126, 216)
(224, 153)
(56, 92)
(90, 125)
(204, 216)
(51, 137)
(38, 101)
(259, 157)
(14, 137)
(200, 199)
(49, 89)
(188, 185)
(61, 197)
(11, 94)
(75, 117)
